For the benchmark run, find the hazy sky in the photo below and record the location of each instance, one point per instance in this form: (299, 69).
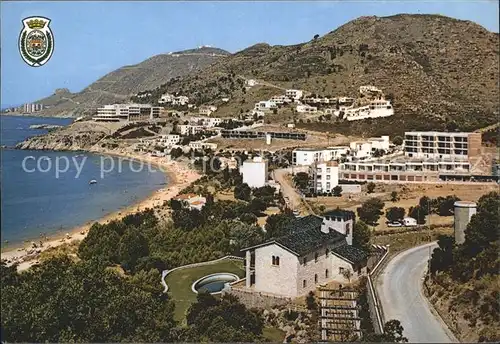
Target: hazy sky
(94, 38)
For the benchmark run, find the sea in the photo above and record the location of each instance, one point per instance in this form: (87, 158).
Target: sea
(49, 192)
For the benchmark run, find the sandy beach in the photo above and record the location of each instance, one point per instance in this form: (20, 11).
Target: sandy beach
(178, 174)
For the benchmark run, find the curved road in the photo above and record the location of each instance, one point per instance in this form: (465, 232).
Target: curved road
(400, 292)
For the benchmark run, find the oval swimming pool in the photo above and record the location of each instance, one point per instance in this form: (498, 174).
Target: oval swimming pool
(213, 283)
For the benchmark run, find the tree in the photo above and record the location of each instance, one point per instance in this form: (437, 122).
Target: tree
(301, 180)
(442, 256)
(446, 205)
(395, 214)
(316, 36)
(425, 204)
(62, 301)
(393, 331)
(370, 211)
(397, 140)
(418, 214)
(222, 320)
(243, 192)
(311, 301)
(361, 236)
(370, 187)
(394, 196)
(276, 224)
(132, 246)
(248, 218)
(337, 191)
(257, 206)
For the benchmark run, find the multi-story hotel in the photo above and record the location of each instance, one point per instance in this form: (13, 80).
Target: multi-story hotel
(127, 112)
(433, 144)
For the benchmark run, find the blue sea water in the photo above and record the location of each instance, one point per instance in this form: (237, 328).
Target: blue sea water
(41, 202)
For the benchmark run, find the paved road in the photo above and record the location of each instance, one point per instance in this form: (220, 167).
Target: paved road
(400, 291)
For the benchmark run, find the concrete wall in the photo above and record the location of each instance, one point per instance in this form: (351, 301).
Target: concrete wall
(351, 188)
(253, 299)
(275, 279)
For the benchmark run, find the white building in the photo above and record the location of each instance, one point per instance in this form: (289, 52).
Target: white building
(202, 145)
(382, 142)
(294, 94)
(254, 172)
(187, 129)
(369, 89)
(209, 122)
(180, 100)
(361, 149)
(316, 251)
(166, 98)
(130, 112)
(376, 109)
(251, 82)
(304, 108)
(169, 140)
(265, 105)
(324, 176)
(281, 99)
(441, 145)
(307, 156)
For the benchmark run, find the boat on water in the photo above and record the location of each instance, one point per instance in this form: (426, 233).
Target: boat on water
(93, 181)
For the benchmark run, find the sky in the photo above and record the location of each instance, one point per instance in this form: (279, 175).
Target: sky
(94, 38)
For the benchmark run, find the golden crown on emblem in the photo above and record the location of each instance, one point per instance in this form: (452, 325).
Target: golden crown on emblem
(36, 24)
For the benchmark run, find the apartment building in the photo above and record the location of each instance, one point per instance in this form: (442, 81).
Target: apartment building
(294, 94)
(127, 112)
(265, 105)
(401, 169)
(376, 109)
(324, 176)
(307, 156)
(306, 109)
(255, 172)
(169, 140)
(439, 145)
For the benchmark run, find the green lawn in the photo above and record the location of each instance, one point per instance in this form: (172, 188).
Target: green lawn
(179, 282)
(272, 334)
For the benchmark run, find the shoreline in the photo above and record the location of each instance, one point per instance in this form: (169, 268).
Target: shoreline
(178, 177)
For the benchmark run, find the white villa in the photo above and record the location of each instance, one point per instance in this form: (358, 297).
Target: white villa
(294, 94)
(265, 105)
(316, 251)
(376, 109)
(306, 109)
(306, 156)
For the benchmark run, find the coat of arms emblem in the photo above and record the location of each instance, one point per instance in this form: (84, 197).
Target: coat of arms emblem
(36, 41)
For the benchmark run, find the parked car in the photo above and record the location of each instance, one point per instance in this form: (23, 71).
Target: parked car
(394, 224)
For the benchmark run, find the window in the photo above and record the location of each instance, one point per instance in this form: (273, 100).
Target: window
(328, 170)
(304, 283)
(327, 252)
(315, 278)
(276, 260)
(341, 271)
(347, 228)
(304, 260)
(327, 177)
(328, 185)
(326, 273)
(315, 257)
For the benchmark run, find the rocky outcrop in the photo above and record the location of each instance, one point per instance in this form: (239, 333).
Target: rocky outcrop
(78, 136)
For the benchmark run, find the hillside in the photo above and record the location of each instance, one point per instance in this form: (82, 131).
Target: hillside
(442, 73)
(120, 84)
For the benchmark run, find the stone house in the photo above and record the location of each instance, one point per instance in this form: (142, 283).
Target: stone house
(317, 250)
